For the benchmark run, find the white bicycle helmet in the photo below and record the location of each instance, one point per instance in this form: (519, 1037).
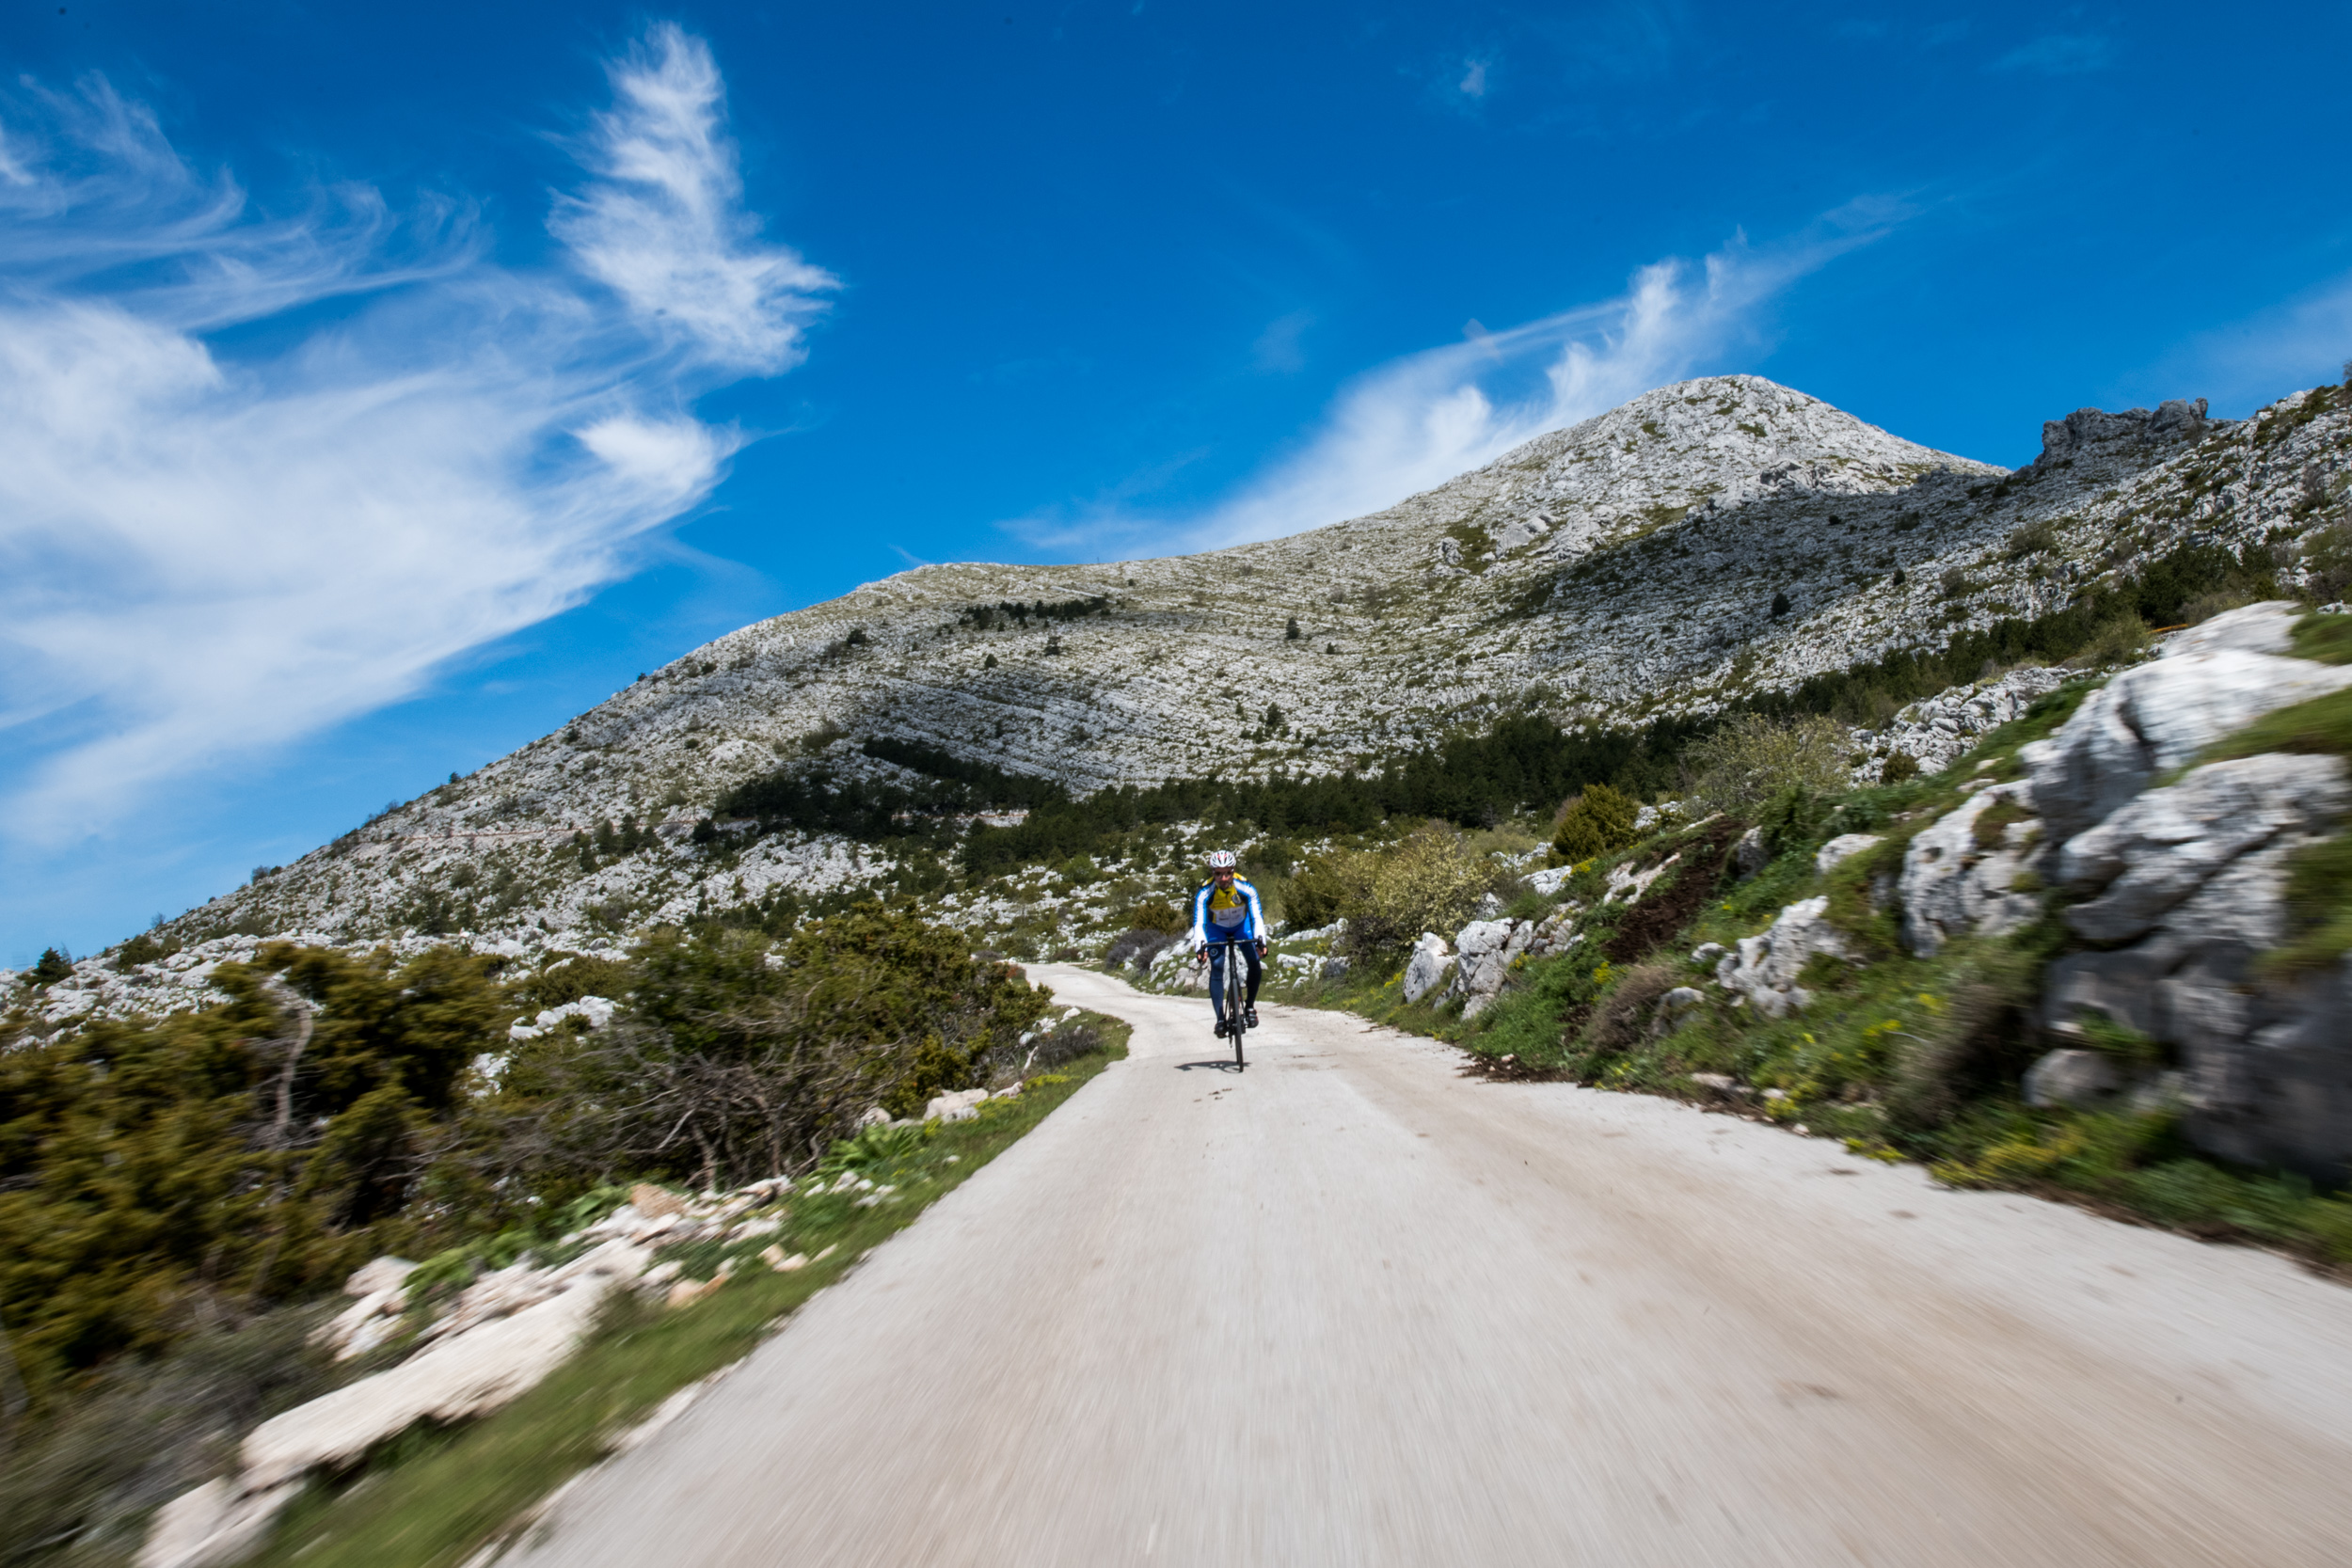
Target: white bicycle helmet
(1221, 860)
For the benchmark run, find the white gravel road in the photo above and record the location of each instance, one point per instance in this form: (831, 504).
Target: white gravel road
(1350, 1308)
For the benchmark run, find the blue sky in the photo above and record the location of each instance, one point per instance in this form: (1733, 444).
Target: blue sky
(379, 387)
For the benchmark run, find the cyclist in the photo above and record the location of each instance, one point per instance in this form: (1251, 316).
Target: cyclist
(1225, 908)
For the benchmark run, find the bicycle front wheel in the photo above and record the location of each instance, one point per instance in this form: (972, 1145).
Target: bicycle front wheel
(1236, 998)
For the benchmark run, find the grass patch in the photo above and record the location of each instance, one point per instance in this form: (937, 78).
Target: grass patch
(2322, 726)
(439, 1496)
(2326, 639)
(2141, 1165)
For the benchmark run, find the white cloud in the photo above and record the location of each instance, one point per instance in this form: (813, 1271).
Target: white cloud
(2240, 367)
(2059, 54)
(204, 555)
(664, 226)
(1420, 420)
(1473, 81)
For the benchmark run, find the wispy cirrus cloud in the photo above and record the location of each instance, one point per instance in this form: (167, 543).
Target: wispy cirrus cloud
(2060, 54)
(1420, 420)
(204, 554)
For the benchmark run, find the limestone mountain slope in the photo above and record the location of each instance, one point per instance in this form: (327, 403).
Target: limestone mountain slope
(1705, 542)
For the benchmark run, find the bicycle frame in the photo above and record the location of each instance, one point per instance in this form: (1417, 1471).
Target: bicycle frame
(1236, 990)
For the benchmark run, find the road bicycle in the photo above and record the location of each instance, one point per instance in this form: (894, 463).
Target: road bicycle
(1236, 990)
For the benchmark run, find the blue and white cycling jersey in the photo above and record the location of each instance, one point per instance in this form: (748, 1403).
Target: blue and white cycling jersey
(1233, 913)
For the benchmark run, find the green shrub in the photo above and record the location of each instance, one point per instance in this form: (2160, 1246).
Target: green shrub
(1751, 758)
(1154, 915)
(150, 1174)
(1623, 1017)
(1429, 881)
(728, 1066)
(2033, 538)
(1976, 1042)
(1898, 767)
(1597, 821)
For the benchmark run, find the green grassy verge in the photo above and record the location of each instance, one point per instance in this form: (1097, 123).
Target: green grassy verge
(435, 1498)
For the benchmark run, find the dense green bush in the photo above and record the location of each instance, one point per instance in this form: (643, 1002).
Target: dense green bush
(1430, 881)
(249, 1154)
(1597, 821)
(737, 1058)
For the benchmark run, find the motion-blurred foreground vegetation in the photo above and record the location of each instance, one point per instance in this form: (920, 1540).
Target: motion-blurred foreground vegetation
(180, 1199)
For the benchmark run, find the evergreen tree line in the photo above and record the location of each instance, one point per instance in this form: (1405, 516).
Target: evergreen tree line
(988, 617)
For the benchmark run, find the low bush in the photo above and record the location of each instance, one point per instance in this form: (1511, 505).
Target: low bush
(1430, 882)
(1597, 821)
(1751, 758)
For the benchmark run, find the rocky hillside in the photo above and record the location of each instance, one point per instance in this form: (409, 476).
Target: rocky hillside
(1705, 543)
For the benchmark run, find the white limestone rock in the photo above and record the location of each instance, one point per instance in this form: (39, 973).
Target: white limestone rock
(1548, 881)
(1765, 967)
(1954, 886)
(955, 1105)
(1843, 847)
(213, 1525)
(1627, 884)
(2256, 628)
(2076, 1078)
(2157, 717)
(1937, 732)
(1487, 951)
(1750, 855)
(380, 1274)
(1428, 966)
(2162, 846)
(1555, 932)
(466, 1375)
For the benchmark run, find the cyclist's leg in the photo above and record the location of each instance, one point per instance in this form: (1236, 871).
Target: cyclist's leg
(1257, 970)
(1216, 982)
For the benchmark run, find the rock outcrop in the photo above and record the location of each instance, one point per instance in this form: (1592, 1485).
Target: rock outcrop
(2163, 848)
(1765, 969)
(1959, 881)
(1937, 732)
(2182, 885)
(2062, 440)
(1428, 966)
(2158, 716)
(1489, 952)
(2193, 876)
